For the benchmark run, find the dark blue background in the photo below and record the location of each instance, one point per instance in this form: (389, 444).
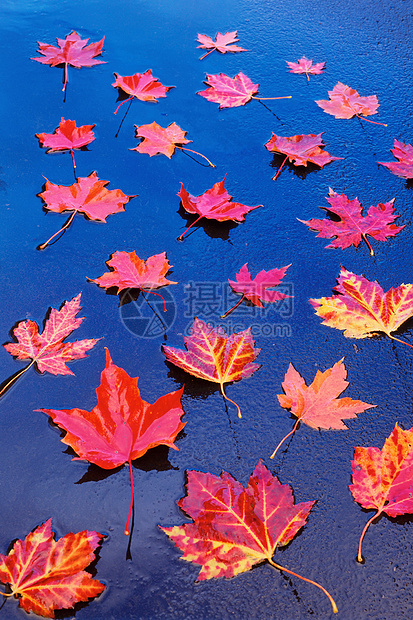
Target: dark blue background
(366, 45)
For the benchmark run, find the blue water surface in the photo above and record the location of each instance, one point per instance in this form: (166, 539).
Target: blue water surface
(365, 45)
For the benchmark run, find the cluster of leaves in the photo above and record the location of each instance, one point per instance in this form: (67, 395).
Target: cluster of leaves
(234, 528)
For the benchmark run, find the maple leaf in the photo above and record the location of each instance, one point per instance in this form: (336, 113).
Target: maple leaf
(306, 66)
(67, 137)
(45, 574)
(318, 405)
(362, 308)
(122, 427)
(383, 479)
(300, 149)
(214, 204)
(142, 86)
(73, 50)
(221, 44)
(234, 528)
(47, 350)
(345, 102)
(88, 196)
(214, 356)
(404, 167)
(130, 271)
(353, 226)
(257, 290)
(231, 92)
(157, 139)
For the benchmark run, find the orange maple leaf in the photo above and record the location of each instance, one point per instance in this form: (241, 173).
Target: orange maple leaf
(362, 308)
(214, 356)
(318, 405)
(383, 479)
(234, 528)
(45, 574)
(345, 102)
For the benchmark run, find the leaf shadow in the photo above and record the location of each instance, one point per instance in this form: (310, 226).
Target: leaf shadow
(409, 184)
(212, 228)
(299, 171)
(194, 387)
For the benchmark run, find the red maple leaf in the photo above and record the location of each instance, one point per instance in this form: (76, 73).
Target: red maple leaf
(222, 43)
(300, 150)
(231, 92)
(157, 139)
(353, 226)
(121, 427)
(45, 574)
(67, 137)
(383, 479)
(404, 167)
(88, 196)
(234, 528)
(47, 350)
(214, 356)
(306, 66)
(214, 204)
(130, 271)
(72, 51)
(142, 86)
(318, 405)
(345, 102)
(258, 289)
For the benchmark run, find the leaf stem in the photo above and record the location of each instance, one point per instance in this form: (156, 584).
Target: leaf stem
(368, 244)
(240, 300)
(122, 102)
(330, 598)
(369, 522)
(73, 162)
(271, 98)
(5, 594)
(402, 341)
(362, 118)
(231, 401)
(207, 54)
(159, 295)
(121, 123)
(196, 153)
(64, 227)
(181, 237)
(127, 532)
(286, 437)
(13, 379)
(279, 169)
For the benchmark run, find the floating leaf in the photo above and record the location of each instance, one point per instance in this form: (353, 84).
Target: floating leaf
(404, 167)
(142, 86)
(231, 92)
(67, 137)
(222, 43)
(345, 102)
(306, 66)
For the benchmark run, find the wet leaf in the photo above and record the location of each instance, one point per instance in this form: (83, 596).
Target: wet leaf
(234, 528)
(142, 86)
(66, 137)
(231, 92)
(345, 102)
(404, 167)
(121, 427)
(222, 43)
(306, 66)
(383, 479)
(45, 574)
(214, 356)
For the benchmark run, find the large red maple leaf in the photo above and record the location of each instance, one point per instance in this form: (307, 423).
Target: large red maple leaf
(306, 66)
(345, 102)
(222, 43)
(383, 479)
(162, 140)
(212, 355)
(257, 289)
(234, 528)
(231, 92)
(73, 50)
(66, 137)
(45, 574)
(47, 350)
(353, 226)
(404, 167)
(142, 86)
(214, 204)
(300, 149)
(121, 427)
(88, 196)
(317, 404)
